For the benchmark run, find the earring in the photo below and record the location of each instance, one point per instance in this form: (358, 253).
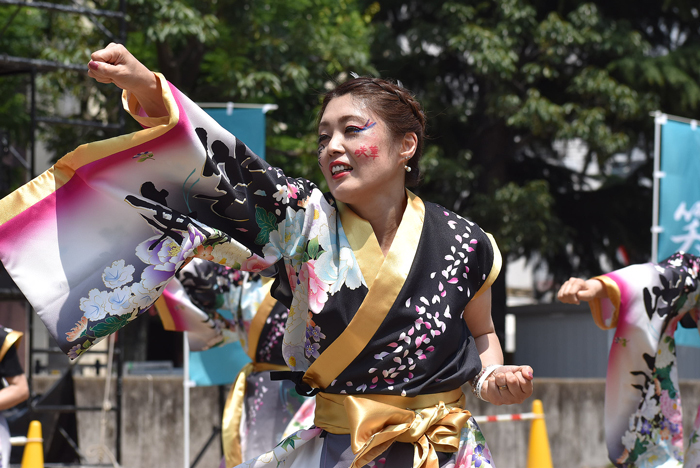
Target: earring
(408, 168)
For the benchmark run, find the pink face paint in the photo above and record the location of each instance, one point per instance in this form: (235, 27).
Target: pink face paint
(368, 152)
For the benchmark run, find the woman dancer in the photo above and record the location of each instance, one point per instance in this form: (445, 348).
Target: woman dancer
(389, 297)
(217, 306)
(645, 303)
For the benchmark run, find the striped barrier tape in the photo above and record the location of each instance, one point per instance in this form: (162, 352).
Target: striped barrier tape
(21, 440)
(508, 417)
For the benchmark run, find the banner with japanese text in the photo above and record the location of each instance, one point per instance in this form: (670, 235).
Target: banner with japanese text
(679, 199)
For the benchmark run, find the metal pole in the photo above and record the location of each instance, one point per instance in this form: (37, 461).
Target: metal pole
(32, 128)
(122, 22)
(120, 403)
(659, 120)
(186, 398)
(29, 355)
(120, 348)
(32, 169)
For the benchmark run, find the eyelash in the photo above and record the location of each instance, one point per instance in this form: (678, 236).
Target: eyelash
(349, 129)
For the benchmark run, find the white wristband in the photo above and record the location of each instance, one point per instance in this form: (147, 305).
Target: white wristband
(487, 372)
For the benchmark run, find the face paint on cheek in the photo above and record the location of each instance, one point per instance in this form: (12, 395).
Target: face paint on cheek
(320, 150)
(371, 151)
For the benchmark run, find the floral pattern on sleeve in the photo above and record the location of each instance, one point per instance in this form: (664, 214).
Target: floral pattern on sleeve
(654, 299)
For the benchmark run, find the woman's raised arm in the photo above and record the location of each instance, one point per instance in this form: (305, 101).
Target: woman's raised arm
(115, 64)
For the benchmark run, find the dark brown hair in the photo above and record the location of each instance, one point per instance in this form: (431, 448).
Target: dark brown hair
(392, 103)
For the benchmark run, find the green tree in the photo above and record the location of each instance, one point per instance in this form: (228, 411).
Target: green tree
(62, 37)
(509, 85)
(276, 51)
(244, 51)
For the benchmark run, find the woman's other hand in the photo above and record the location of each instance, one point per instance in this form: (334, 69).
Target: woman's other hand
(508, 385)
(576, 290)
(115, 64)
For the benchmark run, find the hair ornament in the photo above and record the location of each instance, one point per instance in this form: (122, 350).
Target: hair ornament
(354, 75)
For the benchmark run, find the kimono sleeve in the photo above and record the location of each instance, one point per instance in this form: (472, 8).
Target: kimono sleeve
(668, 287)
(93, 241)
(199, 300)
(489, 260)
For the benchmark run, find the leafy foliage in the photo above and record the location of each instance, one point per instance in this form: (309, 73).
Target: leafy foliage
(516, 89)
(513, 90)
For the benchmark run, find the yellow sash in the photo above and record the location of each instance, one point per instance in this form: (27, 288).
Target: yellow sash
(12, 338)
(374, 422)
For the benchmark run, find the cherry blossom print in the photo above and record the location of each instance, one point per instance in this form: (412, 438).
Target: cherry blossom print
(285, 192)
(292, 276)
(432, 312)
(313, 338)
(256, 263)
(317, 289)
(270, 345)
(204, 252)
(311, 349)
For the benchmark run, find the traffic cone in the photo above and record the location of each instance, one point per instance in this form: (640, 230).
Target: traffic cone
(539, 455)
(33, 456)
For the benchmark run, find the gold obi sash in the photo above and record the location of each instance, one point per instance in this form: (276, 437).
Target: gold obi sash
(374, 422)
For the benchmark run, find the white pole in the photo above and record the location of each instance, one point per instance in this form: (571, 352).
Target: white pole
(659, 120)
(186, 397)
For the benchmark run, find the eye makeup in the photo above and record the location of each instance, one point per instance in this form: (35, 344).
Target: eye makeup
(369, 124)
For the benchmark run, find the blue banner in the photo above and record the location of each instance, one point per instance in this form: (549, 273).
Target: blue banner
(247, 124)
(679, 199)
(219, 365)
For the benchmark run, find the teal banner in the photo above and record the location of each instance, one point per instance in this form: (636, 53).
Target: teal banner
(679, 199)
(246, 124)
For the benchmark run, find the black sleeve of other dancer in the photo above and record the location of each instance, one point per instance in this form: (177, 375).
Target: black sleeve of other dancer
(688, 322)
(10, 366)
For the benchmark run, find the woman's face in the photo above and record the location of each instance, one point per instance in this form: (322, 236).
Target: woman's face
(358, 155)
